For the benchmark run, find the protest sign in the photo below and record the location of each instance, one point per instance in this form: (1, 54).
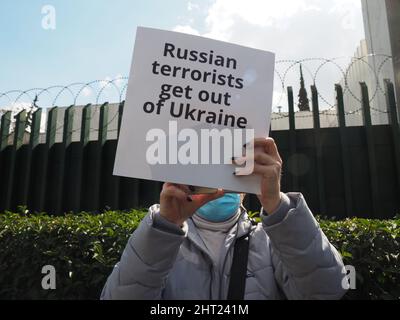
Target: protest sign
(191, 104)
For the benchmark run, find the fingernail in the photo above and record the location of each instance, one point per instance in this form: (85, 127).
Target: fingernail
(189, 199)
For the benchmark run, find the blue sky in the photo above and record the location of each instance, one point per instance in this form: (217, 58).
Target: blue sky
(94, 39)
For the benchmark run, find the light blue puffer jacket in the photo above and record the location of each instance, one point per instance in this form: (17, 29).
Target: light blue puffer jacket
(289, 257)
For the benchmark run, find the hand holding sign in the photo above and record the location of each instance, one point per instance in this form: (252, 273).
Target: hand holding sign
(177, 205)
(268, 165)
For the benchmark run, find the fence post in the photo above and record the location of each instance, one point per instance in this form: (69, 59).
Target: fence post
(318, 150)
(315, 106)
(117, 182)
(44, 190)
(99, 181)
(35, 128)
(5, 130)
(120, 114)
(10, 173)
(58, 177)
(69, 175)
(371, 148)
(81, 195)
(4, 171)
(292, 141)
(33, 142)
(344, 150)
(68, 126)
(18, 170)
(394, 124)
(85, 127)
(13, 175)
(103, 123)
(292, 119)
(51, 127)
(19, 132)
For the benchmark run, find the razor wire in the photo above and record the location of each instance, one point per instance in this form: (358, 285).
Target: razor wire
(98, 88)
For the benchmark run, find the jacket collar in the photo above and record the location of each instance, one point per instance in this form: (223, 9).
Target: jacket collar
(239, 229)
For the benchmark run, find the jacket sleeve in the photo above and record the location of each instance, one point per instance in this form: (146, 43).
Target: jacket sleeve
(146, 261)
(307, 265)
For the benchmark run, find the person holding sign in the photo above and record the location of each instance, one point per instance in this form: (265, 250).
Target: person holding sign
(205, 246)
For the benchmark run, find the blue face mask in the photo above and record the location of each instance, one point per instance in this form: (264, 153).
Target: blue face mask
(221, 209)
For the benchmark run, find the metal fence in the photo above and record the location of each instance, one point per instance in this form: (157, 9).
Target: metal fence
(342, 171)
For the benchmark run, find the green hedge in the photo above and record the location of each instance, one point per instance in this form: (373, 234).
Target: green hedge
(84, 248)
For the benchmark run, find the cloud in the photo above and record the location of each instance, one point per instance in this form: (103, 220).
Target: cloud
(186, 29)
(349, 13)
(110, 82)
(293, 29)
(105, 82)
(119, 81)
(86, 92)
(225, 13)
(192, 6)
(16, 107)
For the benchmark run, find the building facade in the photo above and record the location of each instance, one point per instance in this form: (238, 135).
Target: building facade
(382, 35)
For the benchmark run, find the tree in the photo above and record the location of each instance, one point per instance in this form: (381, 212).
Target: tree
(304, 103)
(30, 111)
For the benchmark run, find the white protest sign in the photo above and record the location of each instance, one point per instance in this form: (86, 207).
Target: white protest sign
(191, 104)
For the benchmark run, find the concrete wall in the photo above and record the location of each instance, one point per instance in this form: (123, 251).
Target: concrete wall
(393, 13)
(94, 127)
(381, 24)
(371, 63)
(280, 121)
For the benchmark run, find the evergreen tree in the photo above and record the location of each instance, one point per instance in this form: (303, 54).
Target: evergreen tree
(304, 103)
(29, 116)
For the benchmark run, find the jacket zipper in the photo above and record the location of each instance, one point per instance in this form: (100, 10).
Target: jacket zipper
(205, 254)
